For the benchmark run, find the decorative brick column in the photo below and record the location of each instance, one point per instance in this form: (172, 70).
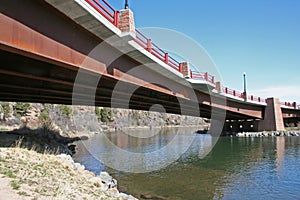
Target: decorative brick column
(219, 86)
(185, 70)
(273, 119)
(126, 21)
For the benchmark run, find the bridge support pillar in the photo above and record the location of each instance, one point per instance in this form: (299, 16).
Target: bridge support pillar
(126, 22)
(273, 119)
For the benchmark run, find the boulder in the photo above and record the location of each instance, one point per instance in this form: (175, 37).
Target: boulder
(107, 181)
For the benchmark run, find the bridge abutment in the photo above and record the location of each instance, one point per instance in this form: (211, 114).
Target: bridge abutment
(273, 118)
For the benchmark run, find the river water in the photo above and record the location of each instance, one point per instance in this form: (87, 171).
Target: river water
(235, 168)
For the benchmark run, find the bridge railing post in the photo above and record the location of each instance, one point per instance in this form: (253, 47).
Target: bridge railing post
(180, 67)
(116, 18)
(206, 76)
(166, 58)
(149, 45)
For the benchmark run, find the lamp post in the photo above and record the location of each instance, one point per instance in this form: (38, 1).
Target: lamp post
(245, 86)
(126, 4)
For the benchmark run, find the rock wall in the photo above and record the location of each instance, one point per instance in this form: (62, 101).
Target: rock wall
(73, 119)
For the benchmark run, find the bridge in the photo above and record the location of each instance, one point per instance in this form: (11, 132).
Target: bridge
(45, 44)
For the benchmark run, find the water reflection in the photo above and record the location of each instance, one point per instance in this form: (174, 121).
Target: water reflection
(280, 147)
(140, 154)
(236, 168)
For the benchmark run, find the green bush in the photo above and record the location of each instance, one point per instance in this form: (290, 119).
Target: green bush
(104, 115)
(45, 118)
(21, 109)
(98, 114)
(6, 109)
(65, 110)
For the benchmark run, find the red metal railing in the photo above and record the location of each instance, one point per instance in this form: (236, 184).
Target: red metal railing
(257, 99)
(112, 15)
(234, 93)
(241, 95)
(147, 44)
(203, 76)
(106, 10)
(289, 104)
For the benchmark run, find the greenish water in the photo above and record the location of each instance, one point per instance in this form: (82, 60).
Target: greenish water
(236, 168)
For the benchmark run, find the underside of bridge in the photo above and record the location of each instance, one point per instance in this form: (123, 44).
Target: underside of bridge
(29, 80)
(40, 62)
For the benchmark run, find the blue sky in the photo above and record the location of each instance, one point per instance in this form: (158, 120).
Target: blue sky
(259, 37)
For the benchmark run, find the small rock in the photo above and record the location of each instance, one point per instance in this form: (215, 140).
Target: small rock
(146, 196)
(122, 189)
(84, 137)
(89, 174)
(79, 167)
(153, 197)
(113, 192)
(126, 197)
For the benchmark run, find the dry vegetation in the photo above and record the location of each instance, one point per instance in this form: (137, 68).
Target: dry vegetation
(32, 175)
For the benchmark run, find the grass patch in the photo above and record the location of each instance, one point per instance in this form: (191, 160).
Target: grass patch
(8, 173)
(15, 185)
(23, 193)
(22, 162)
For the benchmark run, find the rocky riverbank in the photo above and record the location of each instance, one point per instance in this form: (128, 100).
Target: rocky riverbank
(41, 140)
(72, 120)
(269, 134)
(38, 130)
(26, 174)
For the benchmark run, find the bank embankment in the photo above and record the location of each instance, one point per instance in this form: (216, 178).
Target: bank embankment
(26, 174)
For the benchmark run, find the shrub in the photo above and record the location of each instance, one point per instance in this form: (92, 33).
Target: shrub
(6, 109)
(98, 113)
(21, 109)
(104, 116)
(65, 110)
(45, 118)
